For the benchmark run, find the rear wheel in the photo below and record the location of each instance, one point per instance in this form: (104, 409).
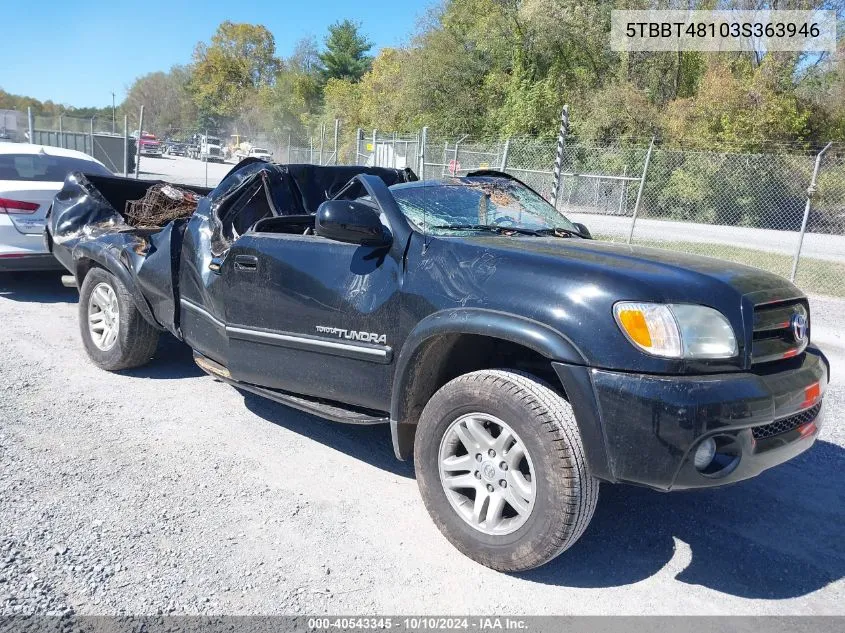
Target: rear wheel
(114, 333)
(501, 469)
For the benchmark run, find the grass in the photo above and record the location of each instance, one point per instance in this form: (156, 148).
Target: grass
(815, 276)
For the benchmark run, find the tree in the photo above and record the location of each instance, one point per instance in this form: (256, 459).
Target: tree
(239, 60)
(166, 99)
(345, 56)
(379, 100)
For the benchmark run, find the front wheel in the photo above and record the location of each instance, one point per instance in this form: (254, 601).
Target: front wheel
(115, 334)
(500, 465)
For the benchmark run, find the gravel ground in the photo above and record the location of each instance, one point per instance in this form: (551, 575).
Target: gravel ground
(159, 490)
(180, 169)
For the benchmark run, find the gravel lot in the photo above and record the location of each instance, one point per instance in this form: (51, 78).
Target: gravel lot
(180, 169)
(161, 490)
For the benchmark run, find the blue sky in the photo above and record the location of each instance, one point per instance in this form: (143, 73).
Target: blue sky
(78, 53)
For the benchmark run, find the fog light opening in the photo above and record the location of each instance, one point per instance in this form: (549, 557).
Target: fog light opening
(717, 456)
(704, 454)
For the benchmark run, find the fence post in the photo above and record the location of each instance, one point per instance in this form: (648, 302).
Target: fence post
(206, 158)
(138, 143)
(61, 133)
(31, 126)
(423, 135)
(322, 137)
(811, 190)
(375, 154)
(455, 165)
(640, 190)
(623, 192)
(561, 142)
(504, 164)
(289, 148)
(336, 130)
(358, 136)
(92, 138)
(125, 145)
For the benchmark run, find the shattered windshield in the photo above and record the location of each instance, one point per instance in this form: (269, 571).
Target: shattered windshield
(465, 205)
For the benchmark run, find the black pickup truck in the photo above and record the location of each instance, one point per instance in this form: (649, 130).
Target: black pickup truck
(517, 360)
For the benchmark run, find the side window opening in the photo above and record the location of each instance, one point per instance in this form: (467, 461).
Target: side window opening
(248, 208)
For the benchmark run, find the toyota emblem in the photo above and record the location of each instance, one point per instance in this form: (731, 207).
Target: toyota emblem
(799, 327)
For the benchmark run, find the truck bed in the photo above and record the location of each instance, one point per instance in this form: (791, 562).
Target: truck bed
(88, 226)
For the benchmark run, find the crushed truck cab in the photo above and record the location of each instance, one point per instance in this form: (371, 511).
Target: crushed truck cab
(517, 361)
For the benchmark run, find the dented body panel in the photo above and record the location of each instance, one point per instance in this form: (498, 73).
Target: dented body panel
(269, 305)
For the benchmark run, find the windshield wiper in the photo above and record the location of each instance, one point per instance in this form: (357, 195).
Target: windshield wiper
(493, 228)
(558, 230)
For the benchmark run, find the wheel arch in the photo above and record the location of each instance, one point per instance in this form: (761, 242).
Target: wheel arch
(85, 259)
(451, 342)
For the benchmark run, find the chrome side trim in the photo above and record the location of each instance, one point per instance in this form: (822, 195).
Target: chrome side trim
(361, 352)
(375, 354)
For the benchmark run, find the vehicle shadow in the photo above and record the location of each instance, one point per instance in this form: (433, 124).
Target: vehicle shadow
(173, 359)
(776, 536)
(370, 443)
(39, 287)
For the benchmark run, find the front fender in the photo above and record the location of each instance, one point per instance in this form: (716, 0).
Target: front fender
(534, 335)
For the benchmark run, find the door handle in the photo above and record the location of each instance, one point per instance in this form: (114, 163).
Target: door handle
(247, 263)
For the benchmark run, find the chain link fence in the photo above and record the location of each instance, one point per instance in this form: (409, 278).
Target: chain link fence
(761, 209)
(750, 208)
(104, 138)
(781, 210)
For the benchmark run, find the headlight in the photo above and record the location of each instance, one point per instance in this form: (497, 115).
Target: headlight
(676, 330)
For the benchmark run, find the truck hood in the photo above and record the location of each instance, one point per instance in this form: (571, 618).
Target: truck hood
(572, 284)
(666, 272)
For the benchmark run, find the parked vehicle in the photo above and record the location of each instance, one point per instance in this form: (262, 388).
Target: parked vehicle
(148, 145)
(260, 154)
(30, 175)
(211, 149)
(193, 146)
(517, 360)
(176, 149)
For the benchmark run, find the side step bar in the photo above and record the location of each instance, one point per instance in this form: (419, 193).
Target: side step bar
(333, 411)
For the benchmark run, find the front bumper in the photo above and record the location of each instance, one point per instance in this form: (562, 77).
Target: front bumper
(644, 429)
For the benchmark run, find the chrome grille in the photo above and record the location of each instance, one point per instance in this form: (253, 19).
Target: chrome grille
(774, 338)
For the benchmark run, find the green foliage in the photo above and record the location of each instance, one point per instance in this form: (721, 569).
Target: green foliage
(239, 60)
(502, 68)
(166, 98)
(345, 56)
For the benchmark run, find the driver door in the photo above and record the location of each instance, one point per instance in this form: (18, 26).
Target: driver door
(313, 316)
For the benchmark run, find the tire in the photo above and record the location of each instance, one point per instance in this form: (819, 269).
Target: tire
(564, 492)
(134, 339)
